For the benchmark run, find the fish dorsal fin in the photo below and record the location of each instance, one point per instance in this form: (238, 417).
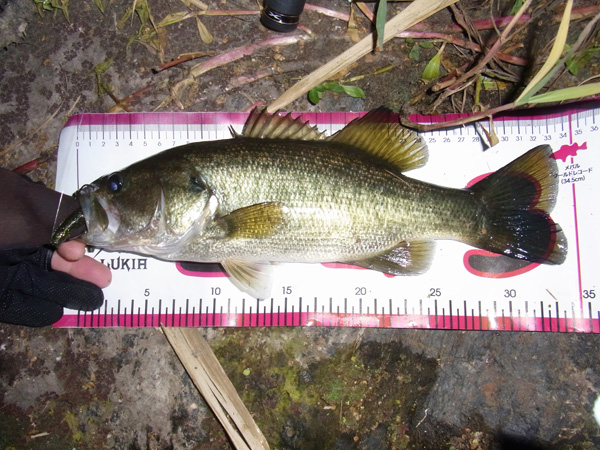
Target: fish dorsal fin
(261, 124)
(379, 133)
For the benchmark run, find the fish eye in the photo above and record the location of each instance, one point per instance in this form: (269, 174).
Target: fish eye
(197, 184)
(114, 182)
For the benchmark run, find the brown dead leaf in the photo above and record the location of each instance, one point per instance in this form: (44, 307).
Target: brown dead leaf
(205, 35)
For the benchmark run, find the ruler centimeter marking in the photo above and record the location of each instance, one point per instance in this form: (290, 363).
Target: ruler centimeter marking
(148, 292)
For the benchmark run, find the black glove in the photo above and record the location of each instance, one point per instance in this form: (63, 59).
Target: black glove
(31, 293)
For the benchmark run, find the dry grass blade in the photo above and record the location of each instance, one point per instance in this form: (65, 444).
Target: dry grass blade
(211, 380)
(240, 52)
(585, 90)
(557, 49)
(417, 11)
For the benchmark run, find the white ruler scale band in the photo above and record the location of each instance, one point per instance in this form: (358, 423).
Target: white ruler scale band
(465, 288)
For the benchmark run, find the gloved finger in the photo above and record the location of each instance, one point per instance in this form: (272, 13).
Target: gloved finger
(20, 309)
(40, 256)
(33, 279)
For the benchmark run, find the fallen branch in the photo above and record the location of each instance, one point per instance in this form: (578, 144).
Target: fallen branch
(220, 394)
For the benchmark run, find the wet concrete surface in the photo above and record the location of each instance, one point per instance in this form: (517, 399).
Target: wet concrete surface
(308, 388)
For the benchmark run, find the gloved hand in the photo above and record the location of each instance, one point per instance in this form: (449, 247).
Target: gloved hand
(35, 281)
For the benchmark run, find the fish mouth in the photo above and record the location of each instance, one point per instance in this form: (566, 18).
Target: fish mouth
(100, 220)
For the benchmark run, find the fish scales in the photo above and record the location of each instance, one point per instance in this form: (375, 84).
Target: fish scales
(340, 203)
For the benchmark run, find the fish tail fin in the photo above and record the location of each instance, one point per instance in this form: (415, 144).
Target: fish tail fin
(518, 200)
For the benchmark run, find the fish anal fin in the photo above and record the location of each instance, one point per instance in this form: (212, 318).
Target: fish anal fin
(408, 258)
(254, 221)
(261, 124)
(380, 134)
(252, 277)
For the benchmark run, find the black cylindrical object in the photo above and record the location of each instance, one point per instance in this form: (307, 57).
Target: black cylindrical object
(282, 15)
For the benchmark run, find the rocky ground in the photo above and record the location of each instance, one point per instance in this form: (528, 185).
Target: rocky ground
(307, 388)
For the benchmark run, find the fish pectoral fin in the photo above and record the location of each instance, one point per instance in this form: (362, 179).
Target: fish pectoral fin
(408, 258)
(253, 221)
(252, 277)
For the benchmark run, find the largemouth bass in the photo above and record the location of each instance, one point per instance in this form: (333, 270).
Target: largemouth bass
(282, 192)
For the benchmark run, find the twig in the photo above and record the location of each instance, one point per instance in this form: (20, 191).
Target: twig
(454, 123)
(516, 60)
(39, 435)
(181, 59)
(247, 79)
(327, 12)
(220, 394)
(415, 12)
(123, 104)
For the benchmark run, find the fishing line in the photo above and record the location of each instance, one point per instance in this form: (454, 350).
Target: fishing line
(57, 212)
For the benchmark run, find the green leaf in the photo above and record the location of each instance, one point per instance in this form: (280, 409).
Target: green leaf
(354, 91)
(414, 53)
(571, 93)
(516, 7)
(316, 93)
(581, 59)
(380, 20)
(332, 86)
(99, 69)
(432, 69)
(426, 44)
